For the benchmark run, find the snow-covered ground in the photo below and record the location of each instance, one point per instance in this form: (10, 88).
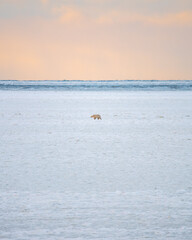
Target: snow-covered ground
(64, 175)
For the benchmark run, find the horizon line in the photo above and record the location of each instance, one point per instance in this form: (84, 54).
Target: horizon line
(96, 80)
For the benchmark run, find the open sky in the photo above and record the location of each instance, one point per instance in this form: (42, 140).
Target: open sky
(95, 39)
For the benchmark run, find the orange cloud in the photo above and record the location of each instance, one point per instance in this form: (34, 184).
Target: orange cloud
(182, 18)
(71, 14)
(68, 14)
(44, 1)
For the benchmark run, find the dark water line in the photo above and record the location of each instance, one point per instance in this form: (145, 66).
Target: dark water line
(77, 85)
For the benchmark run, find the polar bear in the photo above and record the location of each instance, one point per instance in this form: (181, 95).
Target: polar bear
(96, 116)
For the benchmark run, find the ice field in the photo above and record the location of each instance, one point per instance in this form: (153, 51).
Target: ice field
(64, 175)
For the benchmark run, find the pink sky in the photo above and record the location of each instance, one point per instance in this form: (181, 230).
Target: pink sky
(95, 39)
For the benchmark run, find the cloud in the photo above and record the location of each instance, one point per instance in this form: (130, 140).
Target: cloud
(180, 18)
(72, 14)
(44, 1)
(68, 14)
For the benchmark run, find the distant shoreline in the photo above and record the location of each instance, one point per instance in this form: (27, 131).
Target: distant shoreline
(97, 85)
(109, 80)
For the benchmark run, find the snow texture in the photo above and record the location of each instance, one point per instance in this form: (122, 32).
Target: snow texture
(64, 175)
